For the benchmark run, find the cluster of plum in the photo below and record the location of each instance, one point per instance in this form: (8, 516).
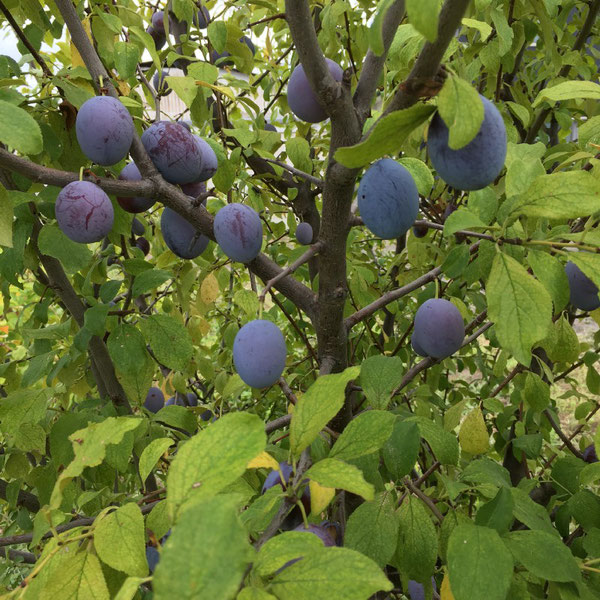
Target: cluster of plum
(158, 31)
(155, 400)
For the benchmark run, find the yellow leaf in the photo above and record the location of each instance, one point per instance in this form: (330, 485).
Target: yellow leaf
(76, 59)
(218, 88)
(124, 88)
(473, 435)
(263, 461)
(445, 591)
(320, 497)
(209, 290)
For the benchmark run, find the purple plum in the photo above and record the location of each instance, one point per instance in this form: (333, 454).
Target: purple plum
(155, 400)
(304, 234)
(158, 21)
(209, 160)
(321, 532)
(174, 151)
(388, 199)
(202, 18)
(160, 39)
(238, 231)
(137, 227)
(160, 84)
(135, 204)
(84, 212)
(589, 454)
(583, 291)
(303, 102)
(439, 328)
(180, 236)
(259, 353)
(275, 478)
(477, 164)
(143, 244)
(194, 190)
(104, 130)
(192, 399)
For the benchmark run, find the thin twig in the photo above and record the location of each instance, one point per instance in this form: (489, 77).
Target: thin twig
(311, 178)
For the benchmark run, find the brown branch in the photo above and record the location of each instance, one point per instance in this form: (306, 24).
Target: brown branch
(425, 499)
(25, 557)
(40, 61)
(278, 424)
(25, 499)
(311, 178)
(566, 441)
(266, 20)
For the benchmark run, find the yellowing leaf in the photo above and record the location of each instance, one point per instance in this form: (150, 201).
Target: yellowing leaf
(218, 88)
(445, 591)
(263, 461)
(76, 60)
(473, 435)
(320, 497)
(209, 290)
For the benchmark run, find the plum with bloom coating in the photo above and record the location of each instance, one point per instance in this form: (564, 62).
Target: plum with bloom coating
(180, 236)
(135, 204)
(304, 233)
(84, 212)
(104, 130)
(259, 353)
(477, 164)
(238, 231)
(583, 291)
(388, 199)
(155, 400)
(174, 151)
(439, 328)
(303, 102)
(209, 160)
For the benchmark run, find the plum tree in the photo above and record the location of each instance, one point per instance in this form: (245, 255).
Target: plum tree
(135, 204)
(155, 400)
(174, 151)
(180, 236)
(238, 231)
(304, 233)
(439, 328)
(209, 160)
(259, 353)
(84, 212)
(477, 164)
(583, 291)
(388, 199)
(159, 83)
(104, 130)
(137, 227)
(302, 100)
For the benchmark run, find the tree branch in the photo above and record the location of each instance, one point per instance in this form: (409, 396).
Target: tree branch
(311, 178)
(277, 423)
(428, 62)
(25, 499)
(373, 64)
(26, 557)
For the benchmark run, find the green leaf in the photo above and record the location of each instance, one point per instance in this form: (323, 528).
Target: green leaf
(89, 447)
(401, 451)
(568, 90)
(550, 271)
(423, 16)
(147, 42)
(461, 110)
(53, 242)
(127, 56)
(417, 547)
(564, 195)
(479, 564)
(375, 31)
(247, 301)
(562, 345)
(386, 137)
(333, 473)
(298, 150)
(289, 545)
(590, 131)
(152, 452)
(214, 458)
(543, 555)
(519, 306)
(19, 130)
(184, 87)
(498, 512)
(443, 443)
(379, 377)
(486, 471)
(169, 340)
(536, 392)
(119, 540)
(149, 280)
(254, 593)
(217, 35)
(420, 172)
(20, 407)
(6, 218)
(78, 578)
(206, 555)
(327, 573)
(317, 407)
(130, 588)
(473, 436)
(589, 263)
(484, 29)
(462, 218)
(133, 364)
(530, 513)
(372, 529)
(366, 433)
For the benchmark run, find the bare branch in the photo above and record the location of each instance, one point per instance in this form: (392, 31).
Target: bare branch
(311, 178)
(25, 499)
(26, 557)
(566, 441)
(277, 423)
(428, 62)
(425, 499)
(373, 64)
(289, 270)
